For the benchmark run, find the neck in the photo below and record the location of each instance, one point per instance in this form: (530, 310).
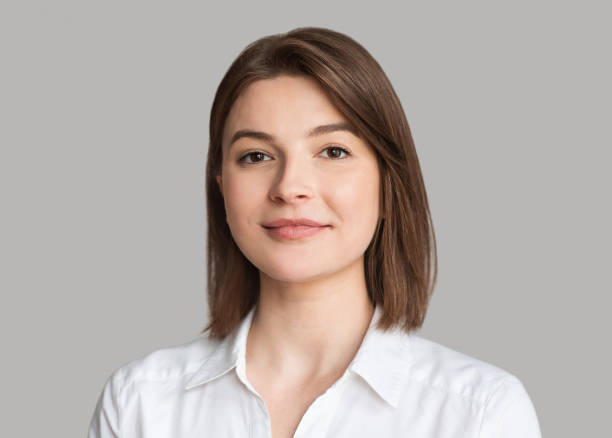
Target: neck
(311, 329)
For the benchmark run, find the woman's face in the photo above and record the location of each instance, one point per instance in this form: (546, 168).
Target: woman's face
(286, 173)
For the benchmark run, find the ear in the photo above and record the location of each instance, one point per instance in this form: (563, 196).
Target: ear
(219, 182)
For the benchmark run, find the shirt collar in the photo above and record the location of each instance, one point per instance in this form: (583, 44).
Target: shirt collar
(383, 359)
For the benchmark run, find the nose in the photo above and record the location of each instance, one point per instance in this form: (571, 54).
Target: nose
(293, 183)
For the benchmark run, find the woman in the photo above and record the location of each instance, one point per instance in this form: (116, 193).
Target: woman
(321, 262)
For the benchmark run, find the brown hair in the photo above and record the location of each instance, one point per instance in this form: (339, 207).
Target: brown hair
(401, 262)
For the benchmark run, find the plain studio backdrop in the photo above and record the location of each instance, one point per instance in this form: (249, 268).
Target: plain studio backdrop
(104, 112)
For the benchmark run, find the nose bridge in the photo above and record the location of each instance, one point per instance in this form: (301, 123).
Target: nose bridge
(294, 179)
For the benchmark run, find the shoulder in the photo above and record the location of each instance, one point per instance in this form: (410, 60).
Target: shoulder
(156, 374)
(172, 363)
(497, 398)
(444, 369)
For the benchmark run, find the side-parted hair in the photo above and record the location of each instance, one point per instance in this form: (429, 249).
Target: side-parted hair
(400, 262)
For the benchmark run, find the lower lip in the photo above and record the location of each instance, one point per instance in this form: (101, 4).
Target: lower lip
(294, 232)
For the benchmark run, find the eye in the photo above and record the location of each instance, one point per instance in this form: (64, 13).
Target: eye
(338, 151)
(257, 156)
(252, 154)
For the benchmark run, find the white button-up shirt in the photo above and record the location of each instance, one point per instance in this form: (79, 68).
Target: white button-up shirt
(397, 385)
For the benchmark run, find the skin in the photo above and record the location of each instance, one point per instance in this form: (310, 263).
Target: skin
(314, 310)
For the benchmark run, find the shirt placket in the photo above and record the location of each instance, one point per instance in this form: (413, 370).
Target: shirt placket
(315, 421)
(320, 413)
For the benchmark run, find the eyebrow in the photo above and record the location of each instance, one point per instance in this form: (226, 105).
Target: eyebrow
(319, 130)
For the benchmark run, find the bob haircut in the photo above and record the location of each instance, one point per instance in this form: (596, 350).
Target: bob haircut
(400, 262)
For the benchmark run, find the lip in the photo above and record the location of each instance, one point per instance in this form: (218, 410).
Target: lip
(294, 232)
(287, 222)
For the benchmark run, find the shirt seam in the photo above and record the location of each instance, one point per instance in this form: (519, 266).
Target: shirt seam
(468, 398)
(121, 403)
(126, 381)
(153, 378)
(501, 385)
(132, 375)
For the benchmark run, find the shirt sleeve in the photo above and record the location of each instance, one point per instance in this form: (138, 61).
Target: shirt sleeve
(105, 420)
(509, 413)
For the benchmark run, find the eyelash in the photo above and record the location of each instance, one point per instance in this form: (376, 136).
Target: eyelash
(242, 159)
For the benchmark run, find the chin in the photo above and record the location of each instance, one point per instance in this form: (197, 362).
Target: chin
(290, 274)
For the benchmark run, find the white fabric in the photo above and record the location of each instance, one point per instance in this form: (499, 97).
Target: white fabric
(398, 385)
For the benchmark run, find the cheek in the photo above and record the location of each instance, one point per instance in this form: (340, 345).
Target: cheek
(357, 197)
(240, 199)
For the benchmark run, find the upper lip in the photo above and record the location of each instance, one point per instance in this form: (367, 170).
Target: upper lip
(283, 222)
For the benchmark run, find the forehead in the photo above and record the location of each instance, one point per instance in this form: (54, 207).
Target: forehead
(282, 105)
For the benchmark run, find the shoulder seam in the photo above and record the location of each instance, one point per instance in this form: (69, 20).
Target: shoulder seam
(158, 378)
(132, 372)
(501, 384)
(120, 402)
(124, 382)
(468, 398)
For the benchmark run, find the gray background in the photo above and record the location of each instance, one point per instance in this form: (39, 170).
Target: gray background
(104, 113)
